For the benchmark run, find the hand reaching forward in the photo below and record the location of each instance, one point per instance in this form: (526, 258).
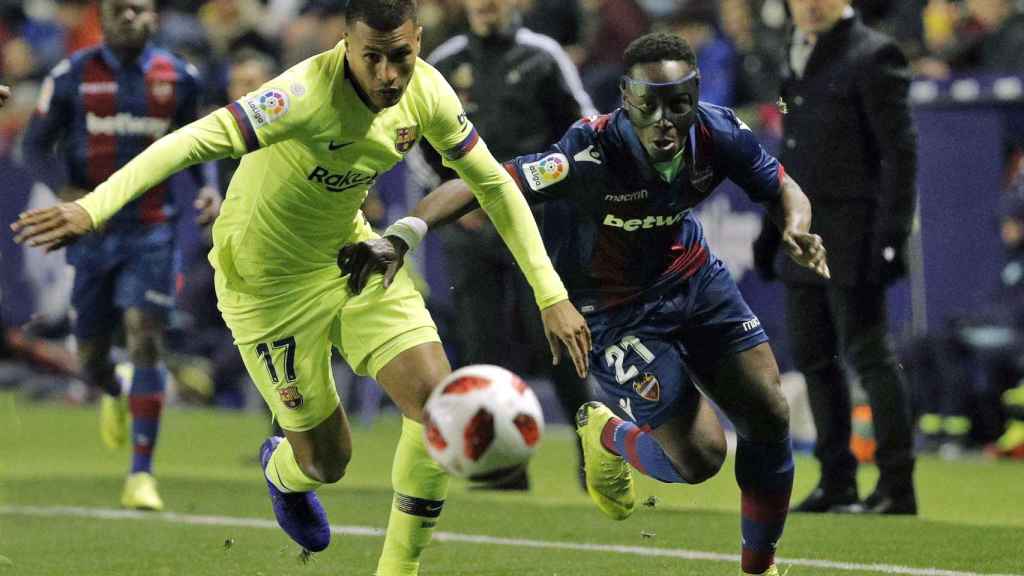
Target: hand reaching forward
(52, 228)
(806, 250)
(564, 326)
(359, 260)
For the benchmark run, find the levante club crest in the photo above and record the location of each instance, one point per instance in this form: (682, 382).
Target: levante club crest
(405, 138)
(647, 387)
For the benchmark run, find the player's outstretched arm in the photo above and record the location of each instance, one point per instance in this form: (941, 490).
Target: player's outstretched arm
(507, 208)
(792, 214)
(5, 93)
(210, 138)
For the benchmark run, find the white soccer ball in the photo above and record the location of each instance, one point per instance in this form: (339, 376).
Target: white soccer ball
(482, 423)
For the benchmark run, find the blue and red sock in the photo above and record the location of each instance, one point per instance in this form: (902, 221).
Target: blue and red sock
(146, 401)
(640, 449)
(764, 472)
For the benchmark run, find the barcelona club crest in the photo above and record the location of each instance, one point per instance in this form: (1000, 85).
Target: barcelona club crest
(647, 387)
(405, 138)
(290, 397)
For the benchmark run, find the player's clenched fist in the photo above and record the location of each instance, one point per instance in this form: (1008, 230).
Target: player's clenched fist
(5, 93)
(52, 228)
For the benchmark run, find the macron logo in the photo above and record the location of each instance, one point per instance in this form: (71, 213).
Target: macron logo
(628, 197)
(751, 324)
(645, 223)
(125, 124)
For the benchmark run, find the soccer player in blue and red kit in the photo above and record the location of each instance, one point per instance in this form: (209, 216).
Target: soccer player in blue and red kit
(100, 108)
(670, 328)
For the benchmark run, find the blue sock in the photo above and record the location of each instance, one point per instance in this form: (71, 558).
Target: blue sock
(146, 401)
(764, 472)
(640, 449)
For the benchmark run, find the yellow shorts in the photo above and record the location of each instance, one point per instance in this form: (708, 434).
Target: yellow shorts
(285, 340)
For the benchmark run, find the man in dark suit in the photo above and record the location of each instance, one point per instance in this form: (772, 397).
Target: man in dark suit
(849, 140)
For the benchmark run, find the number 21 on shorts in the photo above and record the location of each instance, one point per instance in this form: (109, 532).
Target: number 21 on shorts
(615, 354)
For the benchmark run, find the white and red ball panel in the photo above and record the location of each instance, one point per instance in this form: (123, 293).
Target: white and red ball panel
(482, 420)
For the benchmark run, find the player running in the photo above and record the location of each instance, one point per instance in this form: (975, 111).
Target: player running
(315, 139)
(668, 321)
(100, 108)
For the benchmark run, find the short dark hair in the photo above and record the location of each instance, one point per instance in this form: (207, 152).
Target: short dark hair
(381, 14)
(246, 55)
(658, 46)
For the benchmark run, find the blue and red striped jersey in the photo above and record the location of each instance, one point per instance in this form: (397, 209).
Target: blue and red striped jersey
(99, 113)
(614, 228)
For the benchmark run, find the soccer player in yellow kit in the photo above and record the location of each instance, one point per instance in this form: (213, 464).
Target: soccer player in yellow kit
(314, 140)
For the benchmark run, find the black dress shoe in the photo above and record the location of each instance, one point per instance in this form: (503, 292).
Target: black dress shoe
(899, 504)
(825, 499)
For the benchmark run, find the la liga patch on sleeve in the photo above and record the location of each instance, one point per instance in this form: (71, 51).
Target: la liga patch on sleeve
(550, 169)
(266, 107)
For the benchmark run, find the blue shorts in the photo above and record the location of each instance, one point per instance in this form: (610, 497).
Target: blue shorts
(118, 270)
(648, 353)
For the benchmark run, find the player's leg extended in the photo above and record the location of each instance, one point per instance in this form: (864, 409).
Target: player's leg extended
(144, 336)
(292, 370)
(389, 335)
(746, 387)
(674, 437)
(296, 466)
(92, 298)
(98, 371)
(420, 484)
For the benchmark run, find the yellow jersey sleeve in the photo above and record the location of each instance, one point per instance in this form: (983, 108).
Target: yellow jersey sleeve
(278, 109)
(462, 150)
(271, 114)
(212, 137)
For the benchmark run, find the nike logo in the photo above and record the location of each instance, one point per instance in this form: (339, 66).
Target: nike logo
(332, 146)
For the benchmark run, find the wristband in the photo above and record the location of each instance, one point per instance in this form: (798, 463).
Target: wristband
(410, 229)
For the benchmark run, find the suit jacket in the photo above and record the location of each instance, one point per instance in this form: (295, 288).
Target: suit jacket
(849, 141)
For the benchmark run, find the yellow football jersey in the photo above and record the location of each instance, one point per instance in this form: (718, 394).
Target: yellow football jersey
(312, 149)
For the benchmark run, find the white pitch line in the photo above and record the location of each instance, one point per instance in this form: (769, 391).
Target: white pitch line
(194, 519)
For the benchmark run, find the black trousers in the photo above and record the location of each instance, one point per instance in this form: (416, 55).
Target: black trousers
(831, 324)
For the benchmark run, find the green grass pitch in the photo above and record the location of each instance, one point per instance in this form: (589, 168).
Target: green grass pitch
(59, 490)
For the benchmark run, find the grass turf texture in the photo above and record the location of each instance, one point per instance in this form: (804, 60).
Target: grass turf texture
(51, 456)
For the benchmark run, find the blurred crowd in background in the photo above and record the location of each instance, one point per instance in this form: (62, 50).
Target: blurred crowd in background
(739, 42)
(239, 44)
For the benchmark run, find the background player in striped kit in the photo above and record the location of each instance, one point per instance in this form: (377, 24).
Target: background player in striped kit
(99, 109)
